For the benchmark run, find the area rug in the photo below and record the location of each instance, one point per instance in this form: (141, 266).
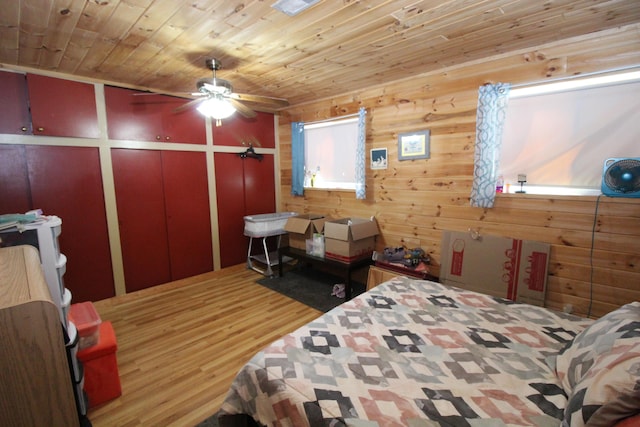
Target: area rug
(310, 287)
(212, 421)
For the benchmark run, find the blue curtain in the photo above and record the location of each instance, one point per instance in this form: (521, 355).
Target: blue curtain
(492, 108)
(361, 191)
(297, 158)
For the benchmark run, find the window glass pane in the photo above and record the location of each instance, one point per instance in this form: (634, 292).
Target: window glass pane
(563, 139)
(330, 154)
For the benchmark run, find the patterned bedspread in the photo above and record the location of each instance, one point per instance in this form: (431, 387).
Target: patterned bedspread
(411, 353)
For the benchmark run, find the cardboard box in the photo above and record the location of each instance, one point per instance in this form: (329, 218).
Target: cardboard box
(350, 238)
(498, 266)
(303, 227)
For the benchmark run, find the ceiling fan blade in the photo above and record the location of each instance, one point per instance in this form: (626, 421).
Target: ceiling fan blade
(188, 105)
(275, 102)
(177, 94)
(242, 109)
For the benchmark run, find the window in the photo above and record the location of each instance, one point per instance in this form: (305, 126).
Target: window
(330, 154)
(560, 140)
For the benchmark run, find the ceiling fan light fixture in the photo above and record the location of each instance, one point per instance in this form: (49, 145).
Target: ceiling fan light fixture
(216, 108)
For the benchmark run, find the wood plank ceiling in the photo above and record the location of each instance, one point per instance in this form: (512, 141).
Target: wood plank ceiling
(334, 47)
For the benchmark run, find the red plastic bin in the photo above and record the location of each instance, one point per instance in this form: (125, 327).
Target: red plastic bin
(87, 321)
(101, 377)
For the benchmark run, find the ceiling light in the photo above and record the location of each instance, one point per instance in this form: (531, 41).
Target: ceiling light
(217, 108)
(293, 7)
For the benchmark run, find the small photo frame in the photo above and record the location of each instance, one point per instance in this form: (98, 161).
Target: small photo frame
(413, 145)
(379, 158)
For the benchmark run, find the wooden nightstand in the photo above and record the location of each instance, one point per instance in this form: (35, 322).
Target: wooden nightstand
(381, 273)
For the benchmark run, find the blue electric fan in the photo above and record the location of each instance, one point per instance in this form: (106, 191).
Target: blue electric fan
(621, 177)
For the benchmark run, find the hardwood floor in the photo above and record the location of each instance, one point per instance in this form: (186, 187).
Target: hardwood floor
(180, 344)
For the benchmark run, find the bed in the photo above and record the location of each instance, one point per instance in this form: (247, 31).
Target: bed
(417, 353)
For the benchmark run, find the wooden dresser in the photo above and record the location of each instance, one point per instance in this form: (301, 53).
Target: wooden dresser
(35, 382)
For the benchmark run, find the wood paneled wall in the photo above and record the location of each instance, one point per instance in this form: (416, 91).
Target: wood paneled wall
(414, 201)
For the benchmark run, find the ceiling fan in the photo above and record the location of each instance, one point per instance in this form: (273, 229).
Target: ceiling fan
(216, 98)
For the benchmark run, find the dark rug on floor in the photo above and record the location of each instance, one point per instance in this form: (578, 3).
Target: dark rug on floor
(212, 421)
(242, 420)
(310, 286)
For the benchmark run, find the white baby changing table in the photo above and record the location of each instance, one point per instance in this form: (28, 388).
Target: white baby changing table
(264, 226)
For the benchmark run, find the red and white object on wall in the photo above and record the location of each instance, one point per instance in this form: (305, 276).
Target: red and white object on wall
(499, 266)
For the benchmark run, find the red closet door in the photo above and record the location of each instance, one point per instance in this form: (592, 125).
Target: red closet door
(67, 182)
(15, 194)
(260, 192)
(231, 208)
(141, 213)
(188, 214)
(259, 185)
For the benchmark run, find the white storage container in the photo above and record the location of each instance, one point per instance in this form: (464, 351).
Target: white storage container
(61, 268)
(56, 230)
(66, 306)
(72, 348)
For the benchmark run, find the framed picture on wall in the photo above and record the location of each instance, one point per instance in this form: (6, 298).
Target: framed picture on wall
(379, 158)
(413, 145)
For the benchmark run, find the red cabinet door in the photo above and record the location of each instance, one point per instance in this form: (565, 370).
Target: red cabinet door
(231, 208)
(133, 117)
(140, 116)
(62, 107)
(14, 104)
(237, 129)
(15, 194)
(67, 182)
(188, 215)
(187, 126)
(141, 214)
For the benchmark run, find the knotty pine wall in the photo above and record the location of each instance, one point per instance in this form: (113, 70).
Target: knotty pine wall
(414, 201)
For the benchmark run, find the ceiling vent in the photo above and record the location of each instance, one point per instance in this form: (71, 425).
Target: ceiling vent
(293, 7)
